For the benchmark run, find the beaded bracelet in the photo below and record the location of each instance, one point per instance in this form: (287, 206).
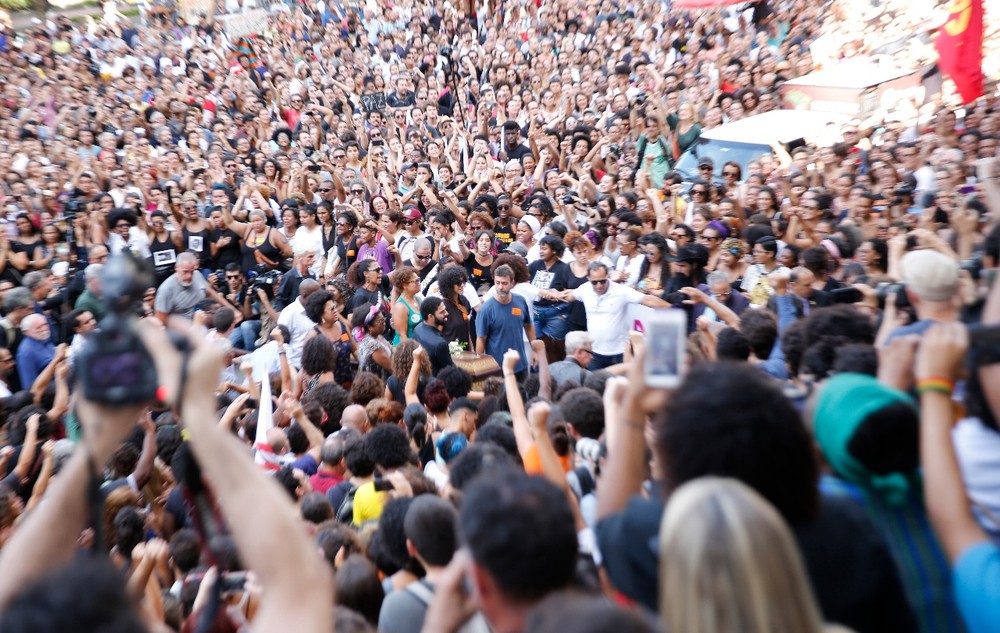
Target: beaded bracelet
(935, 385)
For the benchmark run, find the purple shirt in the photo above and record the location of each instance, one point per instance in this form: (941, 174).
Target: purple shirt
(380, 253)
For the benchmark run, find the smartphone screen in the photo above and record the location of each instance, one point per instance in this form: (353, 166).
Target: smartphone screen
(666, 335)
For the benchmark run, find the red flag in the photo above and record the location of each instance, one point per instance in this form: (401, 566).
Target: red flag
(960, 47)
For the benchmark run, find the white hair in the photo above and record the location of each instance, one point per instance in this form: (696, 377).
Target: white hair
(577, 340)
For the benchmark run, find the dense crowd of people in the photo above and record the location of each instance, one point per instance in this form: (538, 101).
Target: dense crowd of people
(412, 248)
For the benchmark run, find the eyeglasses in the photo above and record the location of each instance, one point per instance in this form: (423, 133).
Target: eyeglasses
(503, 207)
(720, 295)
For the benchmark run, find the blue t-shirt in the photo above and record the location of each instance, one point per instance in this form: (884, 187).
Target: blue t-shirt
(977, 586)
(503, 326)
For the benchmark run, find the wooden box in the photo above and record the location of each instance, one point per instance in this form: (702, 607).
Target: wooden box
(479, 366)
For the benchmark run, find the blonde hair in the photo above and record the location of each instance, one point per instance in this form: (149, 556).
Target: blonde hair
(728, 564)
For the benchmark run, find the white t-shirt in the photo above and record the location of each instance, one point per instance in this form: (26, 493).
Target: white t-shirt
(607, 316)
(978, 451)
(299, 326)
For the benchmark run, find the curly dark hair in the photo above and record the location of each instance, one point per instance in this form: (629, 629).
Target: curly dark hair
(450, 277)
(730, 420)
(318, 356)
(333, 399)
(456, 380)
(402, 360)
(366, 387)
(316, 304)
(389, 446)
(516, 263)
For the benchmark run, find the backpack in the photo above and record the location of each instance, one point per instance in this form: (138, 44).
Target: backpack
(345, 513)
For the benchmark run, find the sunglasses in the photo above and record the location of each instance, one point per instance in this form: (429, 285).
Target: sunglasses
(325, 189)
(233, 277)
(705, 168)
(375, 270)
(408, 222)
(339, 156)
(714, 238)
(422, 258)
(701, 191)
(599, 282)
(730, 173)
(357, 192)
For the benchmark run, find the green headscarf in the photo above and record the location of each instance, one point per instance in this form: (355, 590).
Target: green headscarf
(843, 404)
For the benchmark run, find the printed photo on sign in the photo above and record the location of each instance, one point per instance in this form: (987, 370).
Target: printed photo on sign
(543, 280)
(164, 258)
(195, 243)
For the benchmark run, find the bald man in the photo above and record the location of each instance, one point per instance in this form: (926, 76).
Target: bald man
(299, 325)
(355, 417)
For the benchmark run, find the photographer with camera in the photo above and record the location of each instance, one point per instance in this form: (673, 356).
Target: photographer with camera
(242, 296)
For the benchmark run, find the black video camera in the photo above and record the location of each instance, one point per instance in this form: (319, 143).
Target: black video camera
(267, 281)
(115, 366)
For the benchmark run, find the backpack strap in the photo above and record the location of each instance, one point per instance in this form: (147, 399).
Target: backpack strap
(421, 592)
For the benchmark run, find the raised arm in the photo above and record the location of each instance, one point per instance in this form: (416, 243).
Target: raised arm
(941, 355)
(522, 432)
(264, 523)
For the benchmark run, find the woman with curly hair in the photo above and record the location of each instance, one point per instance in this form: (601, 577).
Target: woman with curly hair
(731, 260)
(319, 362)
(451, 284)
(402, 361)
(324, 312)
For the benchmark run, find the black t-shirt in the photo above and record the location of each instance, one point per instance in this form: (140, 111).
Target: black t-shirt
(505, 234)
(347, 251)
(230, 253)
(554, 278)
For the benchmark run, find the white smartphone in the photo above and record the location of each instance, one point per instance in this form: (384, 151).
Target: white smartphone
(666, 337)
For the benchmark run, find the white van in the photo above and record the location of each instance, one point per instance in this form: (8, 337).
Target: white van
(748, 139)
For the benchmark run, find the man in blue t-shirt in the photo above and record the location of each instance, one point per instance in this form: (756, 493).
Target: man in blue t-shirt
(503, 321)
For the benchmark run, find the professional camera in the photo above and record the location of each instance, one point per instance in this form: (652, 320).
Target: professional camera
(883, 290)
(115, 366)
(267, 281)
(220, 281)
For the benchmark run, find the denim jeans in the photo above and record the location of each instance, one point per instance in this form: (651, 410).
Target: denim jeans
(600, 361)
(552, 321)
(244, 336)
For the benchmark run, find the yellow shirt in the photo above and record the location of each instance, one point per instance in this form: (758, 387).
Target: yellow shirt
(368, 503)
